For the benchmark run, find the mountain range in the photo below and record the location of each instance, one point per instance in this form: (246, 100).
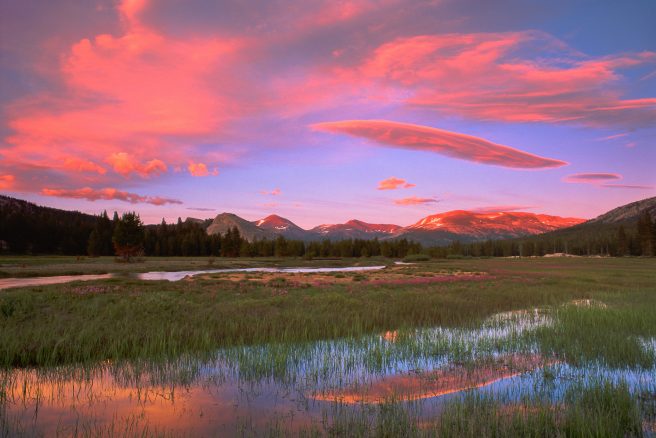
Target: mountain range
(437, 229)
(25, 226)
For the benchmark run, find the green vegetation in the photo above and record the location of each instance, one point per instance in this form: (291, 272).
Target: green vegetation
(128, 318)
(599, 409)
(611, 336)
(416, 258)
(602, 409)
(128, 236)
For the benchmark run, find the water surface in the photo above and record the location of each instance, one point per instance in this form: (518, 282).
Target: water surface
(179, 275)
(256, 389)
(6, 283)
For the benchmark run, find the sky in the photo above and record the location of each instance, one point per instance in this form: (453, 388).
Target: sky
(323, 111)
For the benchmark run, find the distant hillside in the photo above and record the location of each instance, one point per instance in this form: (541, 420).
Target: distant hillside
(27, 227)
(627, 214)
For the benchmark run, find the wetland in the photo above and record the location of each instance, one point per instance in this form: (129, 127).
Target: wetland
(472, 347)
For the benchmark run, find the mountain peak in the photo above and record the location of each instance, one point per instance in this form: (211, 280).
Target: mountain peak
(278, 225)
(500, 224)
(273, 219)
(225, 221)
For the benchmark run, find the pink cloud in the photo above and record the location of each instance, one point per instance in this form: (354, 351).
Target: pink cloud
(7, 181)
(108, 194)
(394, 183)
(451, 144)
(140, 98)
(614, 136)
(501, 208)
(414, 200)
(80, 165)
(592, 178)
(132, 100)
(602, 180)
(274, 192)
(504, 77)
(125, 164)
(200, 169)
(626, 186)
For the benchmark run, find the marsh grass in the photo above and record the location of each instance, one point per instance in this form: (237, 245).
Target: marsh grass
(612, 337)
(51, 325)
(600, 409)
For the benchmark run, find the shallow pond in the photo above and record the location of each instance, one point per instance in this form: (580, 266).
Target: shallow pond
(179, 275)
(297, 386)
(6, 283)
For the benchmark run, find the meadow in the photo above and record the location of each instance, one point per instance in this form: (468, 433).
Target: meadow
(470, 347)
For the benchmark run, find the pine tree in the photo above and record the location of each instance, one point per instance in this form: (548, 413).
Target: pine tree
(94, 245)
(645, 229)
(128, 237)
(622, 244)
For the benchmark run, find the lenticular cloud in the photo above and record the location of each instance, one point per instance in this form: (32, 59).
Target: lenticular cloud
(451, 144)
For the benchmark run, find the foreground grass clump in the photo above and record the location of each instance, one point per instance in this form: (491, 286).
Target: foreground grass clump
(610, 336)
(599, 410)
(126, 319)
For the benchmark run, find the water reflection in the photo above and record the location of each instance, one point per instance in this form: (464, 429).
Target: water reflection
(296, 386)
(437, 383)
(179, 275)
(6, 283)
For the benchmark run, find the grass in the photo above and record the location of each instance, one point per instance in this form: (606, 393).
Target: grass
(601, 409)
(128, 319)
(611, 337)
(597, 409)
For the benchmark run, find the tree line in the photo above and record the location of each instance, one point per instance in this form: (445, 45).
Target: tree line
(190, 239)
(128, 237)
(29, 229)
